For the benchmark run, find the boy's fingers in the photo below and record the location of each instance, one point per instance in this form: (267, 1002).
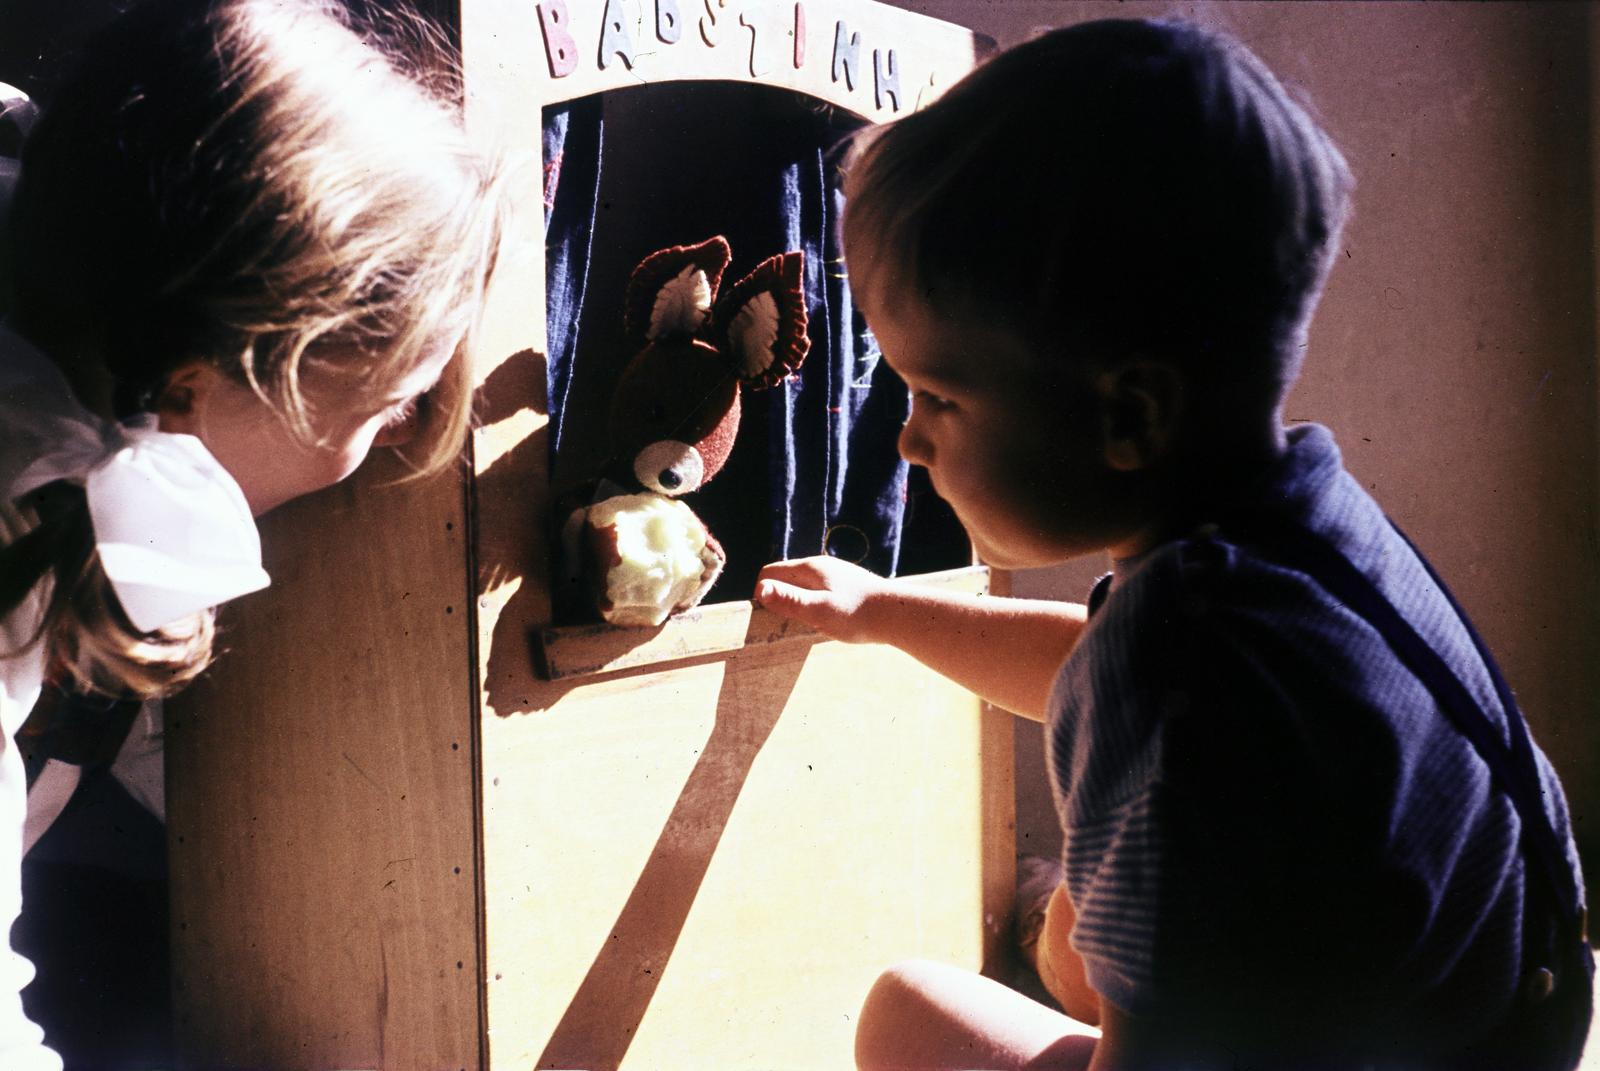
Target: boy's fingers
(775, 593)
(816, 607)
(789, 600)
(791, 569)
(774, 571)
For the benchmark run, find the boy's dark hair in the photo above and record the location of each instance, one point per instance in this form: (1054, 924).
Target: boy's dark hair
(1112, 189)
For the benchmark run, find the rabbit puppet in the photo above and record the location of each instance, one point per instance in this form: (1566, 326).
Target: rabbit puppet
(635, 551)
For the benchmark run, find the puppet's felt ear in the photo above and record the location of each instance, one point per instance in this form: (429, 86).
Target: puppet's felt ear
(671, 291)
(762, 321)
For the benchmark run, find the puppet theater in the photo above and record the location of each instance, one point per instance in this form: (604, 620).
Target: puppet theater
(433, 821)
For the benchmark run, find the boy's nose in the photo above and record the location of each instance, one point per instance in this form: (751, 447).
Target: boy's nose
(913, 447)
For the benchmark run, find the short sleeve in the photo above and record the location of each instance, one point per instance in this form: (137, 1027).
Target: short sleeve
(1225, 785)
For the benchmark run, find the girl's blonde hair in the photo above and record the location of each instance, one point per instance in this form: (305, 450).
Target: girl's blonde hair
(254, 184)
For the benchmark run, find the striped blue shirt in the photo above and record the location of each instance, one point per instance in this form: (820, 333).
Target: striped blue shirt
(1272, 832)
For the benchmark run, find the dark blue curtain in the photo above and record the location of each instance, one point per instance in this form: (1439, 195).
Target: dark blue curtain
(573, 143)
(815, 467)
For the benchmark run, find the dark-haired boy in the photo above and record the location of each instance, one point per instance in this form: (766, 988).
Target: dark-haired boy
(1094, 262)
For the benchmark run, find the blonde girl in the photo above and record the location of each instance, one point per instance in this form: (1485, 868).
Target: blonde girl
(247, 249)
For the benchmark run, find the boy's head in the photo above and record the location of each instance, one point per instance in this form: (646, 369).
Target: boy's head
(1111, 191)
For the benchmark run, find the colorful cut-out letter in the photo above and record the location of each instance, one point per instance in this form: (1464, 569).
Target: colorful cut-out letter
(846, 54)
(885, 78)
(615, 40)
(669, 24)
(709, 32)
(761, 19)
(559, 47)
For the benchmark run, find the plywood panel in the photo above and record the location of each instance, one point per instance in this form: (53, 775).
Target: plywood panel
(320, 787)
(706, 866)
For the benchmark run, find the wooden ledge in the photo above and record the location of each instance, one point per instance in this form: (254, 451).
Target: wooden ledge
(590, 650)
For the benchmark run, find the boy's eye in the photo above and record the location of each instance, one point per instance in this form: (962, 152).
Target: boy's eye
(926, 400)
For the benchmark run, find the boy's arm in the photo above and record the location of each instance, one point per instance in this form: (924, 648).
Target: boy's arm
(1006, 651)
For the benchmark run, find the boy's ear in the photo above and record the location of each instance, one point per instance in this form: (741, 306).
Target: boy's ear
(1141, 409)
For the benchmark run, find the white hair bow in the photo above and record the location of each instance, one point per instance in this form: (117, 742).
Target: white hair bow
(173, 529)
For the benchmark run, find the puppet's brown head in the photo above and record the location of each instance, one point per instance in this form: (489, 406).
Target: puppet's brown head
(675, 412)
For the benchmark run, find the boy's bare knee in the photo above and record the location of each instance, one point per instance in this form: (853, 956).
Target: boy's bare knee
(898, 1002)
(931, 1016)
(909, 979)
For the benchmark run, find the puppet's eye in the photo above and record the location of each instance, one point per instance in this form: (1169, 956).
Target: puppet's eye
(670, 467)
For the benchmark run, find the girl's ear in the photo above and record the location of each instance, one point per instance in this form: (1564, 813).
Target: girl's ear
(672, 290)
(762, 322)
(181, 402)
(1141, 410)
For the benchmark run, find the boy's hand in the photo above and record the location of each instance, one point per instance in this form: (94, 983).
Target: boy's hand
(823, 592)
